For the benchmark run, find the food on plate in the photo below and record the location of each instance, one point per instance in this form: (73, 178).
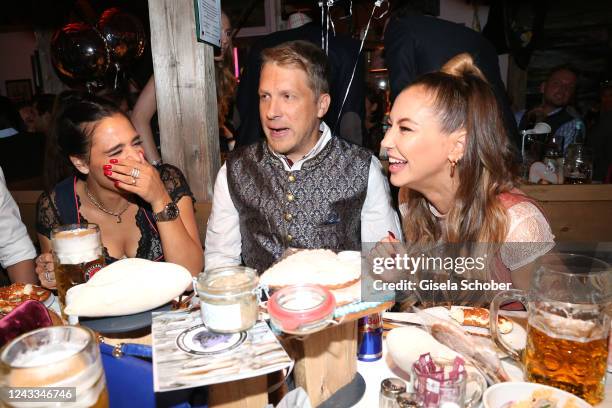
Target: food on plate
(478, 317)
(17, 293)
(126, 287)
(542, 398)
(476, 352)
(312, 266)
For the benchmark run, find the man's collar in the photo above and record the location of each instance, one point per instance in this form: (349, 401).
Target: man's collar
(321, 143)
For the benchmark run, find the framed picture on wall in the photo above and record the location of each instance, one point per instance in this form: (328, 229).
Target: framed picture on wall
(253, 17)
(19, 90)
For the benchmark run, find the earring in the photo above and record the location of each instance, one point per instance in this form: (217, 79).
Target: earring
(453, 163)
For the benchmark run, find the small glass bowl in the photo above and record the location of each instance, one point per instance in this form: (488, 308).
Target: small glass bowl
(301, 309)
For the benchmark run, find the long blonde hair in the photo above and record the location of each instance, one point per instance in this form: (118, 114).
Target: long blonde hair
(462, 98)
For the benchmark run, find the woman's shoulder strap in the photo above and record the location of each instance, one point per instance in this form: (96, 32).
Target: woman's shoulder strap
(66, 201)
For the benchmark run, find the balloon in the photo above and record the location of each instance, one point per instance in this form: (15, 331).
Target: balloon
(78, 52)
(123, 34)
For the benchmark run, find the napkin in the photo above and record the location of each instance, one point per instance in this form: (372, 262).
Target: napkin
(126, 287)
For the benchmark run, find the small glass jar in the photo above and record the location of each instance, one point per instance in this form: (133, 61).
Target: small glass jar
(390, 388)
(301, 309)
(228, 298)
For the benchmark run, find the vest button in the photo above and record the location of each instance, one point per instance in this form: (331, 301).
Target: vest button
(291, 178)
(290, 197)
(289, 238)
(288, 217)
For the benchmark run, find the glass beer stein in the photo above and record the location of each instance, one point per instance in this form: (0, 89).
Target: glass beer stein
(77, 254)
(567, 324)
(63, 363)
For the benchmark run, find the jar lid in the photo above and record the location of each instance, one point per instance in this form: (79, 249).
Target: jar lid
(227, 280)
(296, 305)
(391, 387)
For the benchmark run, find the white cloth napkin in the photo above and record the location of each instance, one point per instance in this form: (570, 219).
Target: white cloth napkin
(126, 287)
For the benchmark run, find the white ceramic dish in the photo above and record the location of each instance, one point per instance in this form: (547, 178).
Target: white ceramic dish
(406, 344)
(516, 338)
(499, 395)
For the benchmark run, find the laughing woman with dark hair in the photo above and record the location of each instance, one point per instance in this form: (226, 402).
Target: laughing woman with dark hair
(449, 152)
(142, 211)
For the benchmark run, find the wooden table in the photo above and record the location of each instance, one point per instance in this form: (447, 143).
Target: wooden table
(327, 360)
(576, 213)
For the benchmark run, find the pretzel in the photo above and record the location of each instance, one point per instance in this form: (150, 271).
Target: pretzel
(479, 317)
(14, 295)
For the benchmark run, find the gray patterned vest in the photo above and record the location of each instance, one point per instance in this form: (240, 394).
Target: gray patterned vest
(318, 206)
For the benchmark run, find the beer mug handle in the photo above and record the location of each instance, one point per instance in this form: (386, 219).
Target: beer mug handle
(481, 385)
(500, 299)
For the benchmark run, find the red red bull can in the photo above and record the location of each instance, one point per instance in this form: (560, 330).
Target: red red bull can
(370, 331)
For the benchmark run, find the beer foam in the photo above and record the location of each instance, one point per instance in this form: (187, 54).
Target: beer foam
(46, 355)
(568, 328)
(76, 246)
(64, 368)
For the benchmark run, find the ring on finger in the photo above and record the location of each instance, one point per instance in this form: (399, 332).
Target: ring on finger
(133, 181)
(48, 276)
(135, 173)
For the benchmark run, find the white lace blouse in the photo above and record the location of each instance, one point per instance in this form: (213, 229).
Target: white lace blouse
(529, 235)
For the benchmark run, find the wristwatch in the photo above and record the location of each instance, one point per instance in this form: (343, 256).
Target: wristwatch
(169, 213)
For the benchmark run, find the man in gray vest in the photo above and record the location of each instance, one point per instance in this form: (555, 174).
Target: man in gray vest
(302, 187)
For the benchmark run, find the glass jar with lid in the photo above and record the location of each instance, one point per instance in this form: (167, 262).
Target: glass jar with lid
(229, 302)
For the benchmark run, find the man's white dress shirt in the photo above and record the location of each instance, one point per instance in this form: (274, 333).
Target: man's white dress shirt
(15, 244)
(223, 239)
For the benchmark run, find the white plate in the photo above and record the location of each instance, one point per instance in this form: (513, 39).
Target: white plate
(498, 395)
(517, 338)
(406, 344)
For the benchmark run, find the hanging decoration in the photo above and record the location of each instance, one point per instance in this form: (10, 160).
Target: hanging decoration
(79, 54)
(124, 36)
(82, 53)
(326, 18)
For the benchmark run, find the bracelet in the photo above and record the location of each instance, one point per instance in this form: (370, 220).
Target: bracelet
(157, 162)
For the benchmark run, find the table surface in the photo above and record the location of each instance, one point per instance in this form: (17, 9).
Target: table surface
(376, 371)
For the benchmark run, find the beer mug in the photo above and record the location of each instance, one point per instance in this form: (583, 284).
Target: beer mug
(567, 324)
(77, 255)
(60, 366)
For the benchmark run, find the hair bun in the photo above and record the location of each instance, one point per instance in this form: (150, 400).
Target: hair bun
(462, 65)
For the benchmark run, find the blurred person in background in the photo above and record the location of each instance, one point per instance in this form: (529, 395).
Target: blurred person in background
(146, 105)
(416, 43)
(557, 94)
(28, 116)
(599, 137)
(21, 153)
(375, 107)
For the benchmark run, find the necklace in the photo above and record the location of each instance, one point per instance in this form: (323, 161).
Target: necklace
(101, 207)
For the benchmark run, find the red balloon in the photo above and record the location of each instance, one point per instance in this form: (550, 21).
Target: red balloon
(123, 34)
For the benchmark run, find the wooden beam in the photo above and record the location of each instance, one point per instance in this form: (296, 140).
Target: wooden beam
(186, 94)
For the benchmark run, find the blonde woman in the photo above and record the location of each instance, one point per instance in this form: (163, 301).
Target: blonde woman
(449, 153)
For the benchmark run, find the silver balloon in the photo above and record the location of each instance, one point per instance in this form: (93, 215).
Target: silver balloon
(124, 36)
(78, 52)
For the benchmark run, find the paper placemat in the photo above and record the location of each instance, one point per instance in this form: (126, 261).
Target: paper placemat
(187, 355)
